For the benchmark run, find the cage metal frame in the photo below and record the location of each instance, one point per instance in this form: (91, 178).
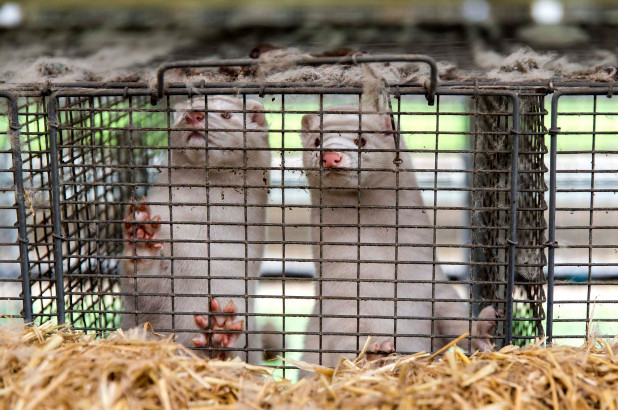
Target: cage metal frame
(20, 201)
(554, 132)
(250, 90)
(127, 90)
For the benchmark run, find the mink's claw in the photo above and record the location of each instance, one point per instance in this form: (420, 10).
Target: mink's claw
(133, 229)
(225, 329)
(379, 350)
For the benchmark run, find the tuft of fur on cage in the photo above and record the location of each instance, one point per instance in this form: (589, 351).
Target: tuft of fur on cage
(526, 64)
(278, 65)
(53, 367)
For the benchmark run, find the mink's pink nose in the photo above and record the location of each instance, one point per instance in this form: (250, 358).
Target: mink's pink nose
(194, 117)
(331, 159)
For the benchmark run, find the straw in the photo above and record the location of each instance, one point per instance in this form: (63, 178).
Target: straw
(51, 366)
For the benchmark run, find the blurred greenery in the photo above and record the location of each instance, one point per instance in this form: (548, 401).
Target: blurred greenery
(423, 120)
(577, 311)
(4, 127)
(9, 309)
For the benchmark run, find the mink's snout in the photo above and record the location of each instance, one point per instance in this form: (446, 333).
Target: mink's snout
(194, 117)
(331, 160)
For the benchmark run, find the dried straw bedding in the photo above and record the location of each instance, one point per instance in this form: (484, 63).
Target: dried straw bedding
(53, 367)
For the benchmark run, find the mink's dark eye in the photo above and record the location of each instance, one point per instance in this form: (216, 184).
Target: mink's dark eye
(226, 115)
(363, 141)
(317, 142)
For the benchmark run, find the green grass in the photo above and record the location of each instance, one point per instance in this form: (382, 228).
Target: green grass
(583, 124)
(4, 138)
(602, 316)
(109, 320)
(9, 310)
(578, 311)
(424, 120)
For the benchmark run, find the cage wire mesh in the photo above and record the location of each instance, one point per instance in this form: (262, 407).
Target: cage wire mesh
(102, 163)
(491, 217)
(10, 300)
(110, 150)
(34, 137)
(81, 234)
(111, 147)
(582, 268)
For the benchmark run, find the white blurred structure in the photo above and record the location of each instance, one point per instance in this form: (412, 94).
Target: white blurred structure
(11, 15)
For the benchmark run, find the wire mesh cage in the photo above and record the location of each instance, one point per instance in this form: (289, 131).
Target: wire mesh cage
(10, 300)
(296, 219)
(582, 231)
(492, 160)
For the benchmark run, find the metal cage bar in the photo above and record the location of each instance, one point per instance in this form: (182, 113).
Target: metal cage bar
(411, 58)
(20, 201)
(85, 113)
(90, 93)
(554, 132)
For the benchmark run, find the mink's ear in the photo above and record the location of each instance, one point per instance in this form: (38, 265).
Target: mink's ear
(308, 123)
(387, 122)
(179, 111)
(256, 117)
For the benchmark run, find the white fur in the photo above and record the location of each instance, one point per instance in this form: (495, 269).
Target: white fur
(227, 205)
(371, 180)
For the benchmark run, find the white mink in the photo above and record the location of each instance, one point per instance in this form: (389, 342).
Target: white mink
(180, 276)
(353, 206)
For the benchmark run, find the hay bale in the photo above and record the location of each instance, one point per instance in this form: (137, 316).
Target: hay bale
(53, 367)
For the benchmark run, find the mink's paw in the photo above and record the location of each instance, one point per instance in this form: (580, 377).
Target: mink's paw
(485, 328)
(378, 350)
(225, 329)
(138, 224)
